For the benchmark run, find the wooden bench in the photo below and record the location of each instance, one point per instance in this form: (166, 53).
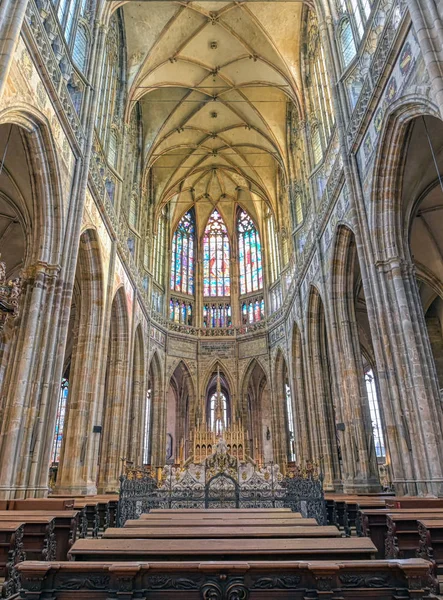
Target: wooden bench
(161, 523)
(215, 531)
(194, 580)
(39, 541)
(211, 516)
(11, 553)
(41, 504)
(403, 538)
(66, 526)
(375, 524)
(431, 541)
(233, 511)
(223, 549)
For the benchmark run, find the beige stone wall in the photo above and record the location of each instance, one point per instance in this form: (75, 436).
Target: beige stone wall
(350, 299)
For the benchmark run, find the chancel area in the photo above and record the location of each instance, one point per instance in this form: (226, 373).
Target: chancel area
(221, 299)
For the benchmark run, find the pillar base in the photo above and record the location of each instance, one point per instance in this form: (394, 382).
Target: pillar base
(424, 487)
(83, 489)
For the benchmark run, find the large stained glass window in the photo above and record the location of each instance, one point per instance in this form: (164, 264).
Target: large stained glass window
(60, 422)
(216, 253)
(249, 254)
(377, 430)
(182, 260)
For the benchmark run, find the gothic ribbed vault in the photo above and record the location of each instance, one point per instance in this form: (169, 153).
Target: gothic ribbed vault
(213, 80)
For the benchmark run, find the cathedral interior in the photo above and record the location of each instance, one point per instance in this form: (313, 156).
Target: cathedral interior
(221, 220)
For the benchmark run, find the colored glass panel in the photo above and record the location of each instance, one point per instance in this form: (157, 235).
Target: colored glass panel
(216, 256)
(250, 255)
(182, 261)
(60, 421)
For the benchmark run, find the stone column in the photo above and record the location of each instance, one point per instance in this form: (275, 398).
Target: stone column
(427, 18)
(412, 405)
(12, 13)
(29, 383)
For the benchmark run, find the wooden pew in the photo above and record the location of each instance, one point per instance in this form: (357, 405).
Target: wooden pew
(193, 580)
(210, 515)
(164, 523)
(223, 549)
(375, 524)
(91, 520)
(66, 525)
(403, 538)
(202, 511)
(431, 541)
(41, 504)
(215, 531)
(39, 541)
(11, 553)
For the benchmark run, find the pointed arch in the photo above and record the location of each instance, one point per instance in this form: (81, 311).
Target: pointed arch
(155, 415)
(256, 412)
(322, 414)
(183, 255)
(283, 423)
(114, 436)
(299, 396)
(85, 367)
(137, 398)
(181, 401)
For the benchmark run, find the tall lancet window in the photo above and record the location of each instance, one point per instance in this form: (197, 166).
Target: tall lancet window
(182, 260)
(218, 409)
(249, 254)
(60, 422)
(216, 254)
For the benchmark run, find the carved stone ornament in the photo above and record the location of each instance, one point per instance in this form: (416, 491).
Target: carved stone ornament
(10, 293)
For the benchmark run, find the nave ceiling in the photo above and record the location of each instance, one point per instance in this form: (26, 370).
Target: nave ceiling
(213, 80)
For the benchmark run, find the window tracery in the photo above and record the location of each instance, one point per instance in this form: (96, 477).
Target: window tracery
(250, 254)
(216, 257)
(108, 102)
(182, 259)
(60, 421)
(159, 250)
(321, 114)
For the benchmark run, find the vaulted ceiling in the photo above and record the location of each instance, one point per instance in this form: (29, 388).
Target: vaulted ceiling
(213, 80)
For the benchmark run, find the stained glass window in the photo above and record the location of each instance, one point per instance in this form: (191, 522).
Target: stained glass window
(182, 260)
(159, 250)
(274, 262)
(374, 409)
(347, 43)
(216, 254)
(217, 427)
(249, 254)
(291, 423)
(217, 315)
(60, 422)
(146, 427)
(180, 311)
(80, 52)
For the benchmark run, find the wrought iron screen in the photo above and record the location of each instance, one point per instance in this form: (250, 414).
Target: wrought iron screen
(221, 481)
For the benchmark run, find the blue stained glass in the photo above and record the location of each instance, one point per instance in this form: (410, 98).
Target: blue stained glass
(182, 260)
(60, 421)
(250, 258)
